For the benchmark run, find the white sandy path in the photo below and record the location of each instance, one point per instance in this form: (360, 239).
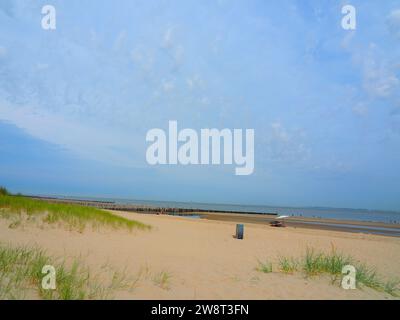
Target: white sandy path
(206, 262)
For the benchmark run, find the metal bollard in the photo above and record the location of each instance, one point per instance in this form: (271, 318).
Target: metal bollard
(239, 231)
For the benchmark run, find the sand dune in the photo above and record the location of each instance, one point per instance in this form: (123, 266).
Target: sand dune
(202, 260)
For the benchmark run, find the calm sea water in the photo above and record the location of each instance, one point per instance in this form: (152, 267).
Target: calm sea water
(328, 213)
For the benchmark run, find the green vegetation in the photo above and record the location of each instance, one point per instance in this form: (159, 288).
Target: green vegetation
(74, 216)
(3, 191)
(392, 287)
(121, 280)
(21, 277)
(368, 277)
(332, 264)
(21, 274)
(288, 265)
(265, 267)
(162, 280)
(319, 263)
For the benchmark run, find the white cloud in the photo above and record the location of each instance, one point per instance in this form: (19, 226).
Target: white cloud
(379, 77)
(380, 81)
(175, 50)
(280, 143)
(84, 139)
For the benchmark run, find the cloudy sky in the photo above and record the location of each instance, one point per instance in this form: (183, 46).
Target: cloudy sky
(76, 102)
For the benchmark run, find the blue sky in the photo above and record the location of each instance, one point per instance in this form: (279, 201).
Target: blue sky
(76, 102)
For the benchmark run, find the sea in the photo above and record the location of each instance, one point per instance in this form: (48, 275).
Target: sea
(310, 212)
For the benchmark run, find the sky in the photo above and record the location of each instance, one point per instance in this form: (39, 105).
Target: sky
(324, 102)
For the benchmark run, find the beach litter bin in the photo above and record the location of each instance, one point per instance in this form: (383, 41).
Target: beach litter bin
(239, 231)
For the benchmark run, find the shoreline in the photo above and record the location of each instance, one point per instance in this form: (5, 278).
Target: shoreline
(141, 208)
(353, 226)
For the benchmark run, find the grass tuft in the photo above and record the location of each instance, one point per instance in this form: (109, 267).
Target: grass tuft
(162, 280)
(288, 265)
(265, 267)
(392, 287)
(315, 263)
(367, 276)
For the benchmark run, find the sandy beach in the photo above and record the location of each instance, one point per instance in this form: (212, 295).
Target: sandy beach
(201, 259)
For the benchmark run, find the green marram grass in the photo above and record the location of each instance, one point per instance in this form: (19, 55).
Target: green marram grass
(264, 266)
(21, 277)
(315, 263)
(162, 280)
(332, 263)
(288, 265)
(74, 216)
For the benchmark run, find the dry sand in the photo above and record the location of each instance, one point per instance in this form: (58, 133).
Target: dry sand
(205, 261)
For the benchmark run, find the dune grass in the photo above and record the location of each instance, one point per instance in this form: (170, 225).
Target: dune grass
(315, 263)
(288, 265)
(162, 280)
(264, 266)
(74, 216)
(21, 277)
